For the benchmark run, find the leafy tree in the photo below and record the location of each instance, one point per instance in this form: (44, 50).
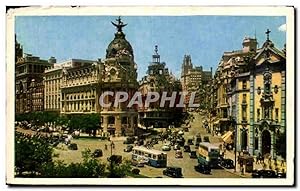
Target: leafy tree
(31, 153)
(119, 170)
(89, 168)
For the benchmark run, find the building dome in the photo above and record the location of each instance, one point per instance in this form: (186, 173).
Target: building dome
(119, 46)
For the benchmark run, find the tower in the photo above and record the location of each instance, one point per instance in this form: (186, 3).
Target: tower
(119, 75)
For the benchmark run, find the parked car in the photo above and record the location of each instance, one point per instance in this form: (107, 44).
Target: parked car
(166, 147)
(264, 174)
(115, 158)
(129, 140)
(154, 140)
(135, 171)
(198, 139)
(268, 174)
(180, 141)
(175, 172)
(73, 146)
(178, 154)
(186, 148)
(193, 155)
(203, 168)
(281, 175)
(176, 147)
(190, 142)
(206, 139)
(227, 163)
(128, 148)
(98, 153)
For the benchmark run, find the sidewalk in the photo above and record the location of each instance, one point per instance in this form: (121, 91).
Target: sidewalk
(268, 164)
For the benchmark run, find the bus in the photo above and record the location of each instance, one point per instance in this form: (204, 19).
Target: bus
(209, 154)
(151, 157)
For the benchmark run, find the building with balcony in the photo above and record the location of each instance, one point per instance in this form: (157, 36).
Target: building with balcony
(159, 79)
(29, 71)
(249, 97)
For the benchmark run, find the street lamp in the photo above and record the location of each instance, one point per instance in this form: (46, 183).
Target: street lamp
(233, 121)
(112, 145)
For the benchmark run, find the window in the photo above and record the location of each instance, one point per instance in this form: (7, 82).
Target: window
(244, 113)
(267, 88)
(258, 114)
(244, 98)
(276, 114)
(244, 84)
(256, 143)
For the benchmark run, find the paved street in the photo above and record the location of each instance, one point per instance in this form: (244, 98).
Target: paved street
(185, 163)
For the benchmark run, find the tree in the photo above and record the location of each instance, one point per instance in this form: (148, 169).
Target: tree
(31, 153)
(119, 170)
(89, 168)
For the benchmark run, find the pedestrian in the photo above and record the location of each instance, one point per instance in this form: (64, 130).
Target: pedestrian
(242, 170)
(269, 161)
(105, 146)
(275, 161)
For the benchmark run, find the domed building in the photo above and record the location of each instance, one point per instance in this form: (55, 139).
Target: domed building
(119, 74)
(84, 82)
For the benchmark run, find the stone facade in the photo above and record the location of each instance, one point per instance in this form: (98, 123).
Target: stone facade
(29, 71)
(194, 79)
(158, 79)
(250, 84)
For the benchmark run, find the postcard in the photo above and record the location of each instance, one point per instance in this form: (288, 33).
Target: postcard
(186, 96)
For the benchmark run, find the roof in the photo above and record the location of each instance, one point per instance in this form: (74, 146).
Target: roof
(207, 144)
(144, 149)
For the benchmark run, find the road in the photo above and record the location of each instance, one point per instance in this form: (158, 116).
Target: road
(186, 163)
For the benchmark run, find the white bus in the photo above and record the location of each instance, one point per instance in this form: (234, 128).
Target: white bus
(209, 154)
(152, 157)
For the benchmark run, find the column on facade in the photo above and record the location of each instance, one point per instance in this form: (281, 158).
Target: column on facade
(131, 121)
(252, 116)
(118, 131)
(273, 137)
(283, 100)
(105, 123)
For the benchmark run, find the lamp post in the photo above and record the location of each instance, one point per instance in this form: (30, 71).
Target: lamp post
(111, 161)
(233, 122)
(235, 143)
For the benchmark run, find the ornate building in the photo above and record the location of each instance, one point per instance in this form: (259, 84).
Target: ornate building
(74, 87)
(160, 80)
(118, 73)
(195, 79)
(29, 81)
(53, 82)
(78, 88)
(250, 97)
(230, 61)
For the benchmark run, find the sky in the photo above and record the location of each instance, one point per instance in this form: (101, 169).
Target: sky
(205, 38)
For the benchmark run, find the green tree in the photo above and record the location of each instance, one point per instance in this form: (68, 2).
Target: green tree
(31, 153)
(89, 168)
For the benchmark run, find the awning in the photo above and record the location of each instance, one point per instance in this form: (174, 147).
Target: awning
(227, 137)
